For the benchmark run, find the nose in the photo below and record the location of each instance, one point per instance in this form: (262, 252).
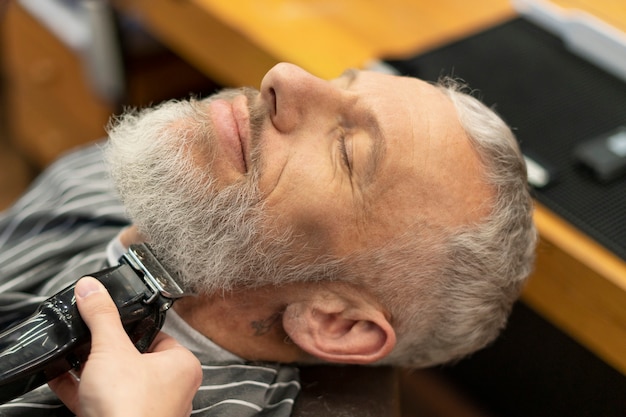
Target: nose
(294, 95)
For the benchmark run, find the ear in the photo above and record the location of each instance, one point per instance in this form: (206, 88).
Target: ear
(336, 330)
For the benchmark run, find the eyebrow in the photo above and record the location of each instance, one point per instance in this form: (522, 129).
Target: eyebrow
(372, 126)
(377, 148)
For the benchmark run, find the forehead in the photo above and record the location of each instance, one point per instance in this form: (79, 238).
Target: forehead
(430, 169)
(411, 112)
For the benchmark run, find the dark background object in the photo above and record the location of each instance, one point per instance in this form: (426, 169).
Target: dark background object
(604, 156)
(535, 370)
(554, 100)
(348, 391)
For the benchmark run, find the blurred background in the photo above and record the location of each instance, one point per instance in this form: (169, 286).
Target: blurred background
(67, 66)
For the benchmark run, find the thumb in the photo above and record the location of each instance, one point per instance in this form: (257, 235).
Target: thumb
(99, 312)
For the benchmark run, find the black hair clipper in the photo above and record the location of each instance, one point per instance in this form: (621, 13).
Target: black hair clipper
(55, 339)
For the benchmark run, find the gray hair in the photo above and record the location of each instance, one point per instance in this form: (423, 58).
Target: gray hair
(450, 292)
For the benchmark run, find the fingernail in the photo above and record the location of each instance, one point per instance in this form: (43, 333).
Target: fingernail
(87, 286)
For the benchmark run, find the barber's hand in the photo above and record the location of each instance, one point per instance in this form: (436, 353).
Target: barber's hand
(130, 235)
(117, 380)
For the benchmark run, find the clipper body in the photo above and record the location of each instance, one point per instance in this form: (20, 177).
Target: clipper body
(55, 339)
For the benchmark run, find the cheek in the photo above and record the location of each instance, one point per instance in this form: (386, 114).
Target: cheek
(310, 205)
(291, 165)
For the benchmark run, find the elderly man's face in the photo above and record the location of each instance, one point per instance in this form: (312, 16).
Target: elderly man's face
(336, 166)
(351, 161)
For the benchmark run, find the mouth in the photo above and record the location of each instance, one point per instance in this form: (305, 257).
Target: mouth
(231, 124)
(241, 114)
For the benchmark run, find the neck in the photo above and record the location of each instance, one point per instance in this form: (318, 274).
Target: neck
(246, 323)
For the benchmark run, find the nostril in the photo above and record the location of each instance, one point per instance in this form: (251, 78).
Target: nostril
(273, 100)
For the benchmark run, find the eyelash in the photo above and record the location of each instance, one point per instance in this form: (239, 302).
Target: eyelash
(344, 150)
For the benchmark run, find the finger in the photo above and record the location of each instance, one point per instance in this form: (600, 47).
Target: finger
(186, 362)
(99, 312)
(66, 388)
(163, 342)
(131, 235)
(167, 346)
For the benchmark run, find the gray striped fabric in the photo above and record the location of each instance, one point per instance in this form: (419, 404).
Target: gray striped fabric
(57, 232)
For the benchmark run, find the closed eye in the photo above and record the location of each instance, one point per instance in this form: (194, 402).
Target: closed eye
(344, 151)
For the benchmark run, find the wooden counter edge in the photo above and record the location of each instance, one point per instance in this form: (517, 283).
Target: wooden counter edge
(580, 246)
(580, 287)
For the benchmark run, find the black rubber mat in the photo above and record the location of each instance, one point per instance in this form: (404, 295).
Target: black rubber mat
(554, 100)
(534, 370)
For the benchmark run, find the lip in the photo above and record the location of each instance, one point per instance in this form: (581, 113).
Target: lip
(229, 124)
(241, 113)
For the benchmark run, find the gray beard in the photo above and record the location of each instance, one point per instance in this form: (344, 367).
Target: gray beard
(212, 240)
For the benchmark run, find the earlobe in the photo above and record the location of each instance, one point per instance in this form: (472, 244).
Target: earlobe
(337, 332)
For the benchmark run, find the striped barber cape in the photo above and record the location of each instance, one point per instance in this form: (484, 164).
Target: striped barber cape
(57, 232)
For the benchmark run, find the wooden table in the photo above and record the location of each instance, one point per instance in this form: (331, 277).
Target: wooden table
(578, 285)
(237, 41)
